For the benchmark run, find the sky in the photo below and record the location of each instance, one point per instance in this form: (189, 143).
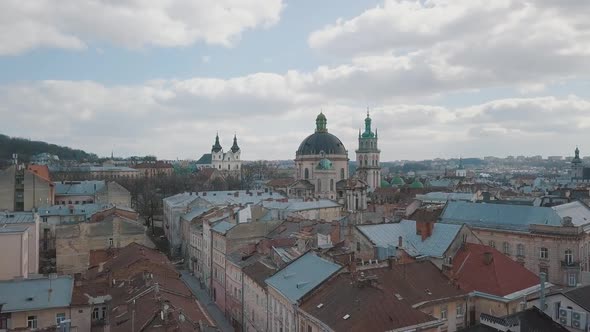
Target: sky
(441, 78)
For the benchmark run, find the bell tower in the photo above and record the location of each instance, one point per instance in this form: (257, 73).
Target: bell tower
(368, 156)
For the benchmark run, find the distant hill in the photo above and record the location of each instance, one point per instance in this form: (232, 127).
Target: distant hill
(27, 148)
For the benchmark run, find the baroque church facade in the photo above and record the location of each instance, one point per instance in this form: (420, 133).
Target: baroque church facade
(322, 167)
(226, 162)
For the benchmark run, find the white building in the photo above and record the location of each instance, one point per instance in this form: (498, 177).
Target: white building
(228, 162)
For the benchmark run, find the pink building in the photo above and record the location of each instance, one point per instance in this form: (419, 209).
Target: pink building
(19, 236)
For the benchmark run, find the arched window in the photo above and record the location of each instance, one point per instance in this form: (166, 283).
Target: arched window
(319, 185)
(569, 257)
(306, 173)
(331, 184)
(342, 174)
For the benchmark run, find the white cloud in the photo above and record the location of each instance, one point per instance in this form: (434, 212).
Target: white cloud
(73, 24)
(409, 48)
(272, 114)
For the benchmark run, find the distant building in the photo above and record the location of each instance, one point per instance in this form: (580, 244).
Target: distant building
(568, 307)
(92, 191)
(24, 189)
(76, 173)
(228, 162)
(529, 320)
(150, 169)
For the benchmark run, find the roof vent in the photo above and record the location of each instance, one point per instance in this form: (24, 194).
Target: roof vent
(29, 299)
(428, 291)
(301, 284)
(398, 296)
(320, 305)
(347, 316)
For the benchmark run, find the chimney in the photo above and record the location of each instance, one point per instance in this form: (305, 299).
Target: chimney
(488, 257)
(424, 228)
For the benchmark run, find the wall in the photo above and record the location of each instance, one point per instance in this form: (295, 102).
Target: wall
(114, 193)
(532, 246)
(281, 312)
(551, 302)
(453, 321)
(7, 178)
(15, 264)
(233, 282)
(38, 192)
(74, 242)
(255, 306)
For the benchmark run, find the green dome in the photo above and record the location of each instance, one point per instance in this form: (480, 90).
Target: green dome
(325, 164)
(416, 184)
(385, 184)
(398, 181)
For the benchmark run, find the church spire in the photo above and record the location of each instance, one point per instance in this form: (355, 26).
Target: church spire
(368, 133)
(216, 147)
(235, 148)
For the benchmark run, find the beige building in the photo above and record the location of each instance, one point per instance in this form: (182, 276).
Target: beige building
(554, 240)
(19, 236)
(23, 190)
(255, 296)
(41, 303)
(74, 242)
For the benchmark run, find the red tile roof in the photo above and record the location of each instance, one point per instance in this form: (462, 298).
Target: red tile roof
(41, 170)
(502, 276)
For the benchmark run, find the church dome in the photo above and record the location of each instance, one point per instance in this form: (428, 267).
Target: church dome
(398, 181)
(321, 141)
(416, 184)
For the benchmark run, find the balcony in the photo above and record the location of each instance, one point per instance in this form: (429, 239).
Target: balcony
(570, 265)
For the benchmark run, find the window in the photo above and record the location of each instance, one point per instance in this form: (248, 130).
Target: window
(506, 248)
(4, 318)
(460, 310)
(331, 184)
(59, 318)
(306, 174)
(358, 246)
(342, 174)
(571, 280)
(569, 257)
(443, 312)
(520, 250)
(110, 242)
(544, 253)
(492, 244)
(95, 313)
(32, 322)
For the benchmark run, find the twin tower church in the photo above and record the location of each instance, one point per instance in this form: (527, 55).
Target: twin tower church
(321, 166)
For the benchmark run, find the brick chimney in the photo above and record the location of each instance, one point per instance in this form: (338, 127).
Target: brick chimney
(424, 228)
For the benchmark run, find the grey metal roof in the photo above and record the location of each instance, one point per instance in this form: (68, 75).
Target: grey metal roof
(444, 197)
(36, 294)
(302, 275)
(222, 227)
(579, 212)
(219, 198)
(387, 235)
(499, 216)
(78, 187)
(17, 218)
(72, 209)
(205, 159)
(300, 205)
(13, 228)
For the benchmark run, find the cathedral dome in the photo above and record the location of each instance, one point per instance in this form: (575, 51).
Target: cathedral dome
(320, 141)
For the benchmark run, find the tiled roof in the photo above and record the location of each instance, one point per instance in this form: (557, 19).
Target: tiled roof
(499, 216)
(41, 170)
(157, 164)
(368, 308)
(36, 294)
(387, 235)
(302, 275)
(71, 188)
(502, 276)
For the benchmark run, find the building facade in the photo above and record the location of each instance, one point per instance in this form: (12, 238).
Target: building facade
(230, 162)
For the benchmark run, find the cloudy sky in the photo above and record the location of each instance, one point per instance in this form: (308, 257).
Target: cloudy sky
(443, 78)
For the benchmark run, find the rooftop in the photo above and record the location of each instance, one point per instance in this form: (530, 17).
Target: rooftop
(496, 274)
(293, 205)
(222, 197)
(17, 218)
(502, 216)
(71, 188)
(387, 235)
(301, 276)
(530, 320)
(36, 294)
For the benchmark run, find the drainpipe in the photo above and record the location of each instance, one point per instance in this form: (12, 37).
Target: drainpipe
(543, 276)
